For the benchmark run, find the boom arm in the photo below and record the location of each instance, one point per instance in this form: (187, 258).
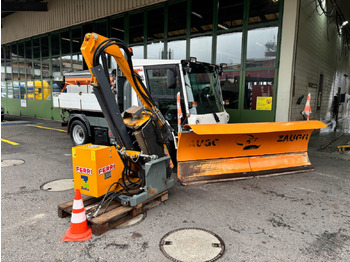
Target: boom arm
(94, 49)
(95, 45)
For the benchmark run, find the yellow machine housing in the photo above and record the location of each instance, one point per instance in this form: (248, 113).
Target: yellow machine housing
(96, 168)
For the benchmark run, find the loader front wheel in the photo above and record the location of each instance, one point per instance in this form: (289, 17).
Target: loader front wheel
(79, 134)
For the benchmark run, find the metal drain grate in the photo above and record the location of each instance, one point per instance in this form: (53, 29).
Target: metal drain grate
(192, 244)
(11, 162)
(58, 185)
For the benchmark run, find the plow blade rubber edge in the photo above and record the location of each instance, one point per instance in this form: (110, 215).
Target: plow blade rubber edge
(214, 153)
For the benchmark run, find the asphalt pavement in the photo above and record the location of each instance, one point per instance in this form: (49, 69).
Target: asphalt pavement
(296, 217)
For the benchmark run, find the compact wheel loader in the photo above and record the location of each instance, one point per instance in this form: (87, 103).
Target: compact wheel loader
(139, 166)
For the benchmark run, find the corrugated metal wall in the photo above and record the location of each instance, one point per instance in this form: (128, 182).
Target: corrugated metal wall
(64, 13)
(319, 51)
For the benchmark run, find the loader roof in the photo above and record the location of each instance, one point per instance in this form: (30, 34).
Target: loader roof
(147, 62)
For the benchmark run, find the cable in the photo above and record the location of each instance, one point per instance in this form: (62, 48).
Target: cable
(116, 194)
(128, 172)
(102, 201)
(115, 41)
(324, 12)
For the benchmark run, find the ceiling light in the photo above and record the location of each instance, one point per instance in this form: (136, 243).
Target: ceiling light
(222, 27)
(73, 40)
(198, 15)
(117, 29)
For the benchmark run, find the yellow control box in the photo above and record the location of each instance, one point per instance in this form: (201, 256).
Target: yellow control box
(96, 168)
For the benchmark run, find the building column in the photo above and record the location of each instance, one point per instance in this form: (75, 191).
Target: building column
(287, 60)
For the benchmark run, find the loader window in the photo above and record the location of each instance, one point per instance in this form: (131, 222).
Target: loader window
(230, 88)
(158, 79)
(164, 97)
(203, 90)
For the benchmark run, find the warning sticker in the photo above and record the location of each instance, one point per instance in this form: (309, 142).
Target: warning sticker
(264, 103)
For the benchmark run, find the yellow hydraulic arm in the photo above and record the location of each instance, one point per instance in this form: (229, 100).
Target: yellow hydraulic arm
(94, 49)
(94, 42)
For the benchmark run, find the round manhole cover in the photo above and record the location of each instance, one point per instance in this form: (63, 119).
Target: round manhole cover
(134, 221)
(58, 185)
(9, 162)
(192, 244)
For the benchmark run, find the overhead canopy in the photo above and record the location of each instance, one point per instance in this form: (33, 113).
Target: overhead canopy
(10, 6)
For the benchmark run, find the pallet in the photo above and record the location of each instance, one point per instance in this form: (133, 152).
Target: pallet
(115, 215)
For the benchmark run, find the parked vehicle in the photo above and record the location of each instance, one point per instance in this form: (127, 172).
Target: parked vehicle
(2, 113)
(200, 89)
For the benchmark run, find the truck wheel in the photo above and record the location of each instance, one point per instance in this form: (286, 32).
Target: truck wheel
(79, 134)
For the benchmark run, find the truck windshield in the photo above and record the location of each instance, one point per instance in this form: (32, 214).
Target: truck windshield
(203, 89)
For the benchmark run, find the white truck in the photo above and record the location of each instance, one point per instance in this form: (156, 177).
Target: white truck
(198, 84)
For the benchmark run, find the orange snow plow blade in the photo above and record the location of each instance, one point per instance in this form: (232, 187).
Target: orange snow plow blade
(213, 153)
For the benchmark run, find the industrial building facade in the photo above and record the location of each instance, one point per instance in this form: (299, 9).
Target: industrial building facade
(276, 52)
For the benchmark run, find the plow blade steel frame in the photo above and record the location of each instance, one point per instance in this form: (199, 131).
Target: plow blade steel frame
(213, 153)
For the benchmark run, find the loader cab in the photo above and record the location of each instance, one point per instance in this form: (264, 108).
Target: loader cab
(203, 93)
(164, 82)
(199, 87)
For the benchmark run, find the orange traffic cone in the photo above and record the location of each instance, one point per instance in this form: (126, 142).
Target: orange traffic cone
(307, 109)
(79, 230)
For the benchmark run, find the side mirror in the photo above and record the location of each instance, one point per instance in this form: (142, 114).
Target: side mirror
(171, 79)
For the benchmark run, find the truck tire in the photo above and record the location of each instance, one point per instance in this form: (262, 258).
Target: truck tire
(79, 134)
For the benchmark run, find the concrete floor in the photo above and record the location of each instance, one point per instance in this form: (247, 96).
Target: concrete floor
(298, 217)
